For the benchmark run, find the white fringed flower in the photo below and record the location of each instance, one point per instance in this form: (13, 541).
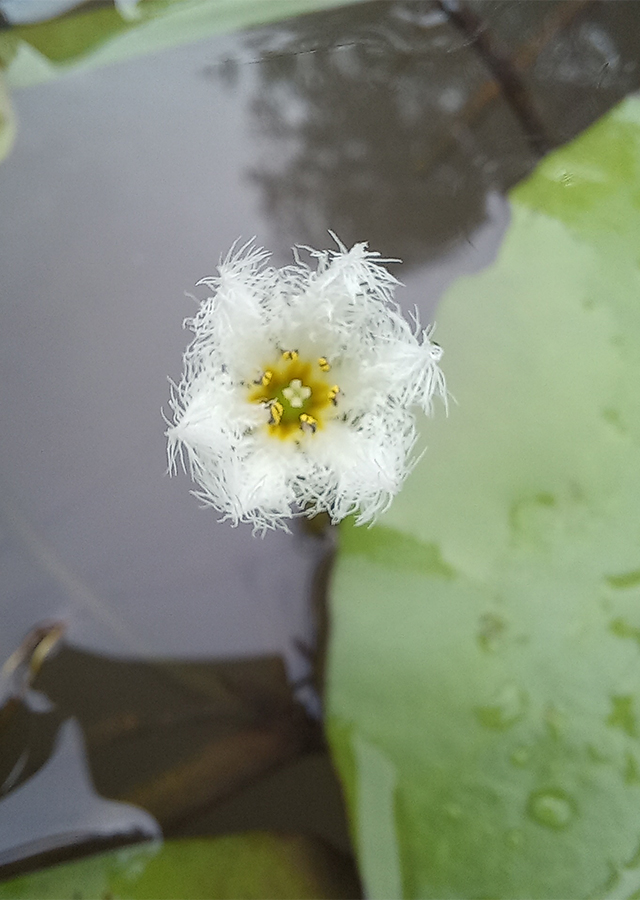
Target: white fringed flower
(298, 388)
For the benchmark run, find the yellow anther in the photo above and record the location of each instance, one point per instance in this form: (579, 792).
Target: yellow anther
(265, 378)
(323, 362)
(290, 354)
(276, 409)
(333, 393)
(308, 423)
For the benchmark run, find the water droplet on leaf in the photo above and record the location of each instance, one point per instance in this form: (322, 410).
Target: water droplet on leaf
(622, 715)
(520, 756)
(507, 708)
(515, 838)
(552, 808)
(491, 628)
(453, 810)
(631, 769)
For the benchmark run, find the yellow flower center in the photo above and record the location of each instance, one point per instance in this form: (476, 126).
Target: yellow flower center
(297, 394)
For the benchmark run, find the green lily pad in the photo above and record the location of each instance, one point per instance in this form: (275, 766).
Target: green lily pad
(248, 866)
(484, 677)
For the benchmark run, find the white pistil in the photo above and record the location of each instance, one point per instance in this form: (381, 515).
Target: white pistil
(296, 393)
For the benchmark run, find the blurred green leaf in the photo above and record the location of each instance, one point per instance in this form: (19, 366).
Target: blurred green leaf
(7, 121)
(484, 678)
(243, 866)
(66, 37)
(87, 38)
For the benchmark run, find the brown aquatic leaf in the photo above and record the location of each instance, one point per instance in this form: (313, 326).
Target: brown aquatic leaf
(175, 737)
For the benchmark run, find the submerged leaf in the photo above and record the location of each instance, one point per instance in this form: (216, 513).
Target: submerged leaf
(172, 736)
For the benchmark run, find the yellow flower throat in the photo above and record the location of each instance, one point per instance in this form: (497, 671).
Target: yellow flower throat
(297, 394)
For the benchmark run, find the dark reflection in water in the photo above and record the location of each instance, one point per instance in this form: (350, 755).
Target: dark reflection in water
(398, 123)
(363, 123)
(394, 120)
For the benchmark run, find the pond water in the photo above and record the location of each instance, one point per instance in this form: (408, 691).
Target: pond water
(389, 123)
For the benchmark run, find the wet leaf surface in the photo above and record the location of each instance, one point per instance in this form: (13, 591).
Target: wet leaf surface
(483, 710)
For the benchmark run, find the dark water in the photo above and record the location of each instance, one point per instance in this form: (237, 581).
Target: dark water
(398, 123)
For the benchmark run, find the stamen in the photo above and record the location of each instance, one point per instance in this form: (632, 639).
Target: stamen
(276, 409)
(308, 423)
(296, 392)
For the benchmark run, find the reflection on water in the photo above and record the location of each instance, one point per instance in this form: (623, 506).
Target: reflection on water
(387, 122)
(394, 120)
(368, 131)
